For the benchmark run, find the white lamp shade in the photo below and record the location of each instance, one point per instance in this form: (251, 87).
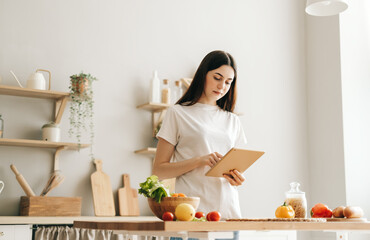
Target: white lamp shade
(325, 7)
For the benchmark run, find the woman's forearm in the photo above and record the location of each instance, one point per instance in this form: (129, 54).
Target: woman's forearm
(167, 170)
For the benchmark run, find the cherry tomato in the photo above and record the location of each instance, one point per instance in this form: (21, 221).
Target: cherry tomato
(214, 216)
(199, 214)
(167, 216)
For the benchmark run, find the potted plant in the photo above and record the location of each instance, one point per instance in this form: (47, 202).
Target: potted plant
(81, 107)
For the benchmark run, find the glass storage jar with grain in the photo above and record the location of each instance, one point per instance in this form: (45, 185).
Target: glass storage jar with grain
(297, 199)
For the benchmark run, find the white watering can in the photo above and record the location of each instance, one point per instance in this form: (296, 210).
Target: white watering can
(36, 80)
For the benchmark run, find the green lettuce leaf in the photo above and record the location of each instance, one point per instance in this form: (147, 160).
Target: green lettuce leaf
(153, 188)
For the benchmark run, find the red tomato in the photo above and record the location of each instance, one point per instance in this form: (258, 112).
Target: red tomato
(214, 216)
(167, 216)
(199, 214)
(321, 211)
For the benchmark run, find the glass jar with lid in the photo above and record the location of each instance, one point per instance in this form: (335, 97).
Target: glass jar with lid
(297, 199)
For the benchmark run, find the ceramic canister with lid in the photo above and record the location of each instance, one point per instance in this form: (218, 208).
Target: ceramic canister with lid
(51, 132)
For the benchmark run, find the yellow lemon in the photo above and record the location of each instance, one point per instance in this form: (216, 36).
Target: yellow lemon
(184, 212)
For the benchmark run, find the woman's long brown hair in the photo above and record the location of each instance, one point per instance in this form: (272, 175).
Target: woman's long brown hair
(211, 61)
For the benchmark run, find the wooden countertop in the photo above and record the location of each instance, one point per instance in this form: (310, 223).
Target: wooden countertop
(158, 225)
(68, 220)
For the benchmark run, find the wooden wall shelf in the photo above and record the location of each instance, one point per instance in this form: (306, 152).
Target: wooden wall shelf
(60, 98)
(40, 144)
(33, 93)
(154, 107)
(148, 150)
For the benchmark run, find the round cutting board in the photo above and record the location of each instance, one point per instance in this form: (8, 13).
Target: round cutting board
(346, 220)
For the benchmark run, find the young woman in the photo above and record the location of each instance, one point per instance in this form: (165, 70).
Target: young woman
(197, 131)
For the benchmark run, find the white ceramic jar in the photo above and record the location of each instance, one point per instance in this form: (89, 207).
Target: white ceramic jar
(51, 132)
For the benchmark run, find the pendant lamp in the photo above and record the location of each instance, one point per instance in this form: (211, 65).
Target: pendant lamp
(325, 7)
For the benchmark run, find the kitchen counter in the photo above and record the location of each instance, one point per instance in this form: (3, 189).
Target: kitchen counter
(157, 225)
(222, 229)
(14, 220)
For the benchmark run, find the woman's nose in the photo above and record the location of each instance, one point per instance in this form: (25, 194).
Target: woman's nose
(221, 85)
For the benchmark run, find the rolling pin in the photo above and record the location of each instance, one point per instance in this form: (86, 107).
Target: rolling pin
(26, 188)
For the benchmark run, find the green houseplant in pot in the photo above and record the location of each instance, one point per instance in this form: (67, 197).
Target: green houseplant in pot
(81, 107)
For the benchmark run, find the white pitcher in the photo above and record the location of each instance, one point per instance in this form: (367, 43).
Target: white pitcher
(37, 80)
(2, 186)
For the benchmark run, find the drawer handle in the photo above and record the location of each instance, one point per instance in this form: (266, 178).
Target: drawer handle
(2, 234)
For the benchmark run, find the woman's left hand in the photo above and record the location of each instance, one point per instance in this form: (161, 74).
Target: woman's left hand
(235, 178)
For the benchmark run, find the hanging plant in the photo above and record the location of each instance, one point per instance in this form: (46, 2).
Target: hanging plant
(82, 107)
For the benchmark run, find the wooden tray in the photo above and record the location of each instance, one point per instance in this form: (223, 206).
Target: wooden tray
(346, 220)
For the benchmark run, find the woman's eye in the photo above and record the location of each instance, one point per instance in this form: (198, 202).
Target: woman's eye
(218, 79)
(228, 83)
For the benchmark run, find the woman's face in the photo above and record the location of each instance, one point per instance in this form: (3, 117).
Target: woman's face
(218, 82)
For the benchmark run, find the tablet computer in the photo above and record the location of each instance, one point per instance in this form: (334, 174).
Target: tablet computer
(239, 159)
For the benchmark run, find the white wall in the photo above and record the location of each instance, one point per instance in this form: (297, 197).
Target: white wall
(122, 42)
(325, 127)
(355, 58)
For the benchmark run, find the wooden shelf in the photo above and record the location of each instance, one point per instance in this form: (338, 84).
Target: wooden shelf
(33, 93)
(60, 98)
(154, 107)
(148, 150)
(40, 144)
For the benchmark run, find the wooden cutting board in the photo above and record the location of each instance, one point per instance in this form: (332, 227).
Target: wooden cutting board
(346, 220)
(102, 192)
(127, 198)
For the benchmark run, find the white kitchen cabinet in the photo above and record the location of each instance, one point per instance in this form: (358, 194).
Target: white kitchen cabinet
(15, 232)
(267, 235)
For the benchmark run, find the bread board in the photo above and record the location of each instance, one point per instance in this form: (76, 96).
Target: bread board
(128, 199)
(102, 192)
(346, 220)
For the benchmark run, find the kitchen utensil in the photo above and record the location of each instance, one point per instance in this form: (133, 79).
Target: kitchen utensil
(169, 204)
(37, 81)
(102, 192)
(127, 198)
(2, 186)
(22, 181)
(56, 177)
(15, 77)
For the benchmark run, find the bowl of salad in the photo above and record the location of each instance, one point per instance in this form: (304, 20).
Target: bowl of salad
(159, 198)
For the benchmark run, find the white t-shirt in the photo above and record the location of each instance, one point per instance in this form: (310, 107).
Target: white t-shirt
(199, 130)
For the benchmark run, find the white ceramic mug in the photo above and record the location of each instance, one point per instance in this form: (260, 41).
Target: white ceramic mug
(2, 186)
